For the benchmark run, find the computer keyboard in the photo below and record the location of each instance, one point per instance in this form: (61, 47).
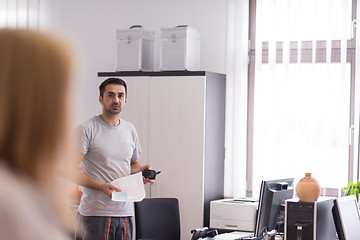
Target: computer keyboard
(251, 237)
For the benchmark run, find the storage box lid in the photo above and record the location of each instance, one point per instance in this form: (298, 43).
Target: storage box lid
(135, 32)
(180, 32)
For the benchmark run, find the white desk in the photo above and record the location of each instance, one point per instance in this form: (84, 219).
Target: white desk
(230, 236)
(235, 236)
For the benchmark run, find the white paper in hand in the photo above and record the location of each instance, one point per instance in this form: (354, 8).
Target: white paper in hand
(132, 188)
(119, 196)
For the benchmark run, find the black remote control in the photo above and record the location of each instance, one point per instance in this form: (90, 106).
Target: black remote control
(150, 174)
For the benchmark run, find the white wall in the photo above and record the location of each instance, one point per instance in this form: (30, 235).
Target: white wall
(91, 27)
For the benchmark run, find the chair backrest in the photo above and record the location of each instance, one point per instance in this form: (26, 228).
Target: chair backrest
(157, 219)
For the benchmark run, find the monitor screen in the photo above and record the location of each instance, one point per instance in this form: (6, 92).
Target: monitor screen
(346, 218)
(271, 209)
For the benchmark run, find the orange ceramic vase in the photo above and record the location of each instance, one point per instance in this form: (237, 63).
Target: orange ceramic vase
(308, 189)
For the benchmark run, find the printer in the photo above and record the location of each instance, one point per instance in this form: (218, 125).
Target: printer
(233, 214)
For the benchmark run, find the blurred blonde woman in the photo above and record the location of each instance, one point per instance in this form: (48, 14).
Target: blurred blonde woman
(34, 82)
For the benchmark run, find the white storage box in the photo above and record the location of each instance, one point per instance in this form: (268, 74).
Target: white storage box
(180, 49)
(134, 49)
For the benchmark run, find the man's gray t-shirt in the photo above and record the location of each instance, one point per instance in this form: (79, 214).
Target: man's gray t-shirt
(108, 153)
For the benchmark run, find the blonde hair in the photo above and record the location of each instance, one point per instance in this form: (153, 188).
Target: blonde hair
(34, 81)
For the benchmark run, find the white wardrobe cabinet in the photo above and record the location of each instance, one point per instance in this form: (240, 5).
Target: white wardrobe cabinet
(180, 120)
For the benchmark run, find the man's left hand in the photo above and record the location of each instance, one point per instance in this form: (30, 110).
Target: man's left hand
(147, 180)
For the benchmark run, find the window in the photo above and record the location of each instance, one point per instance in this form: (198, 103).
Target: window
(19, 13)
(301, 92)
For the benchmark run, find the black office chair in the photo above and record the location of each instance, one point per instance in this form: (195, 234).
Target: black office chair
(157, 219)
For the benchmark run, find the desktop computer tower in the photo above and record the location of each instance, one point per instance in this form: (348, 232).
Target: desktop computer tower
(309, 220)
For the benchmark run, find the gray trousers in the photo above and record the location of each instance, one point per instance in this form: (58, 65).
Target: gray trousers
(104, 228)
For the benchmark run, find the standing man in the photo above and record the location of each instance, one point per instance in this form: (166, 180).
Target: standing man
(109, 149)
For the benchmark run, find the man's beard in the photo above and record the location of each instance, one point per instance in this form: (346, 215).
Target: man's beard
(112, 111)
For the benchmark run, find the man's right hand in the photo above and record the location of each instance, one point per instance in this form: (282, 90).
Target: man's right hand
(108, 188)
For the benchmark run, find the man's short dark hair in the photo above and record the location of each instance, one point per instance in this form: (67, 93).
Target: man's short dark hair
(112, 81)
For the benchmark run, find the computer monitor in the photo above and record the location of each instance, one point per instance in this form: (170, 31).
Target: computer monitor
(271, 208)
(347, 218)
